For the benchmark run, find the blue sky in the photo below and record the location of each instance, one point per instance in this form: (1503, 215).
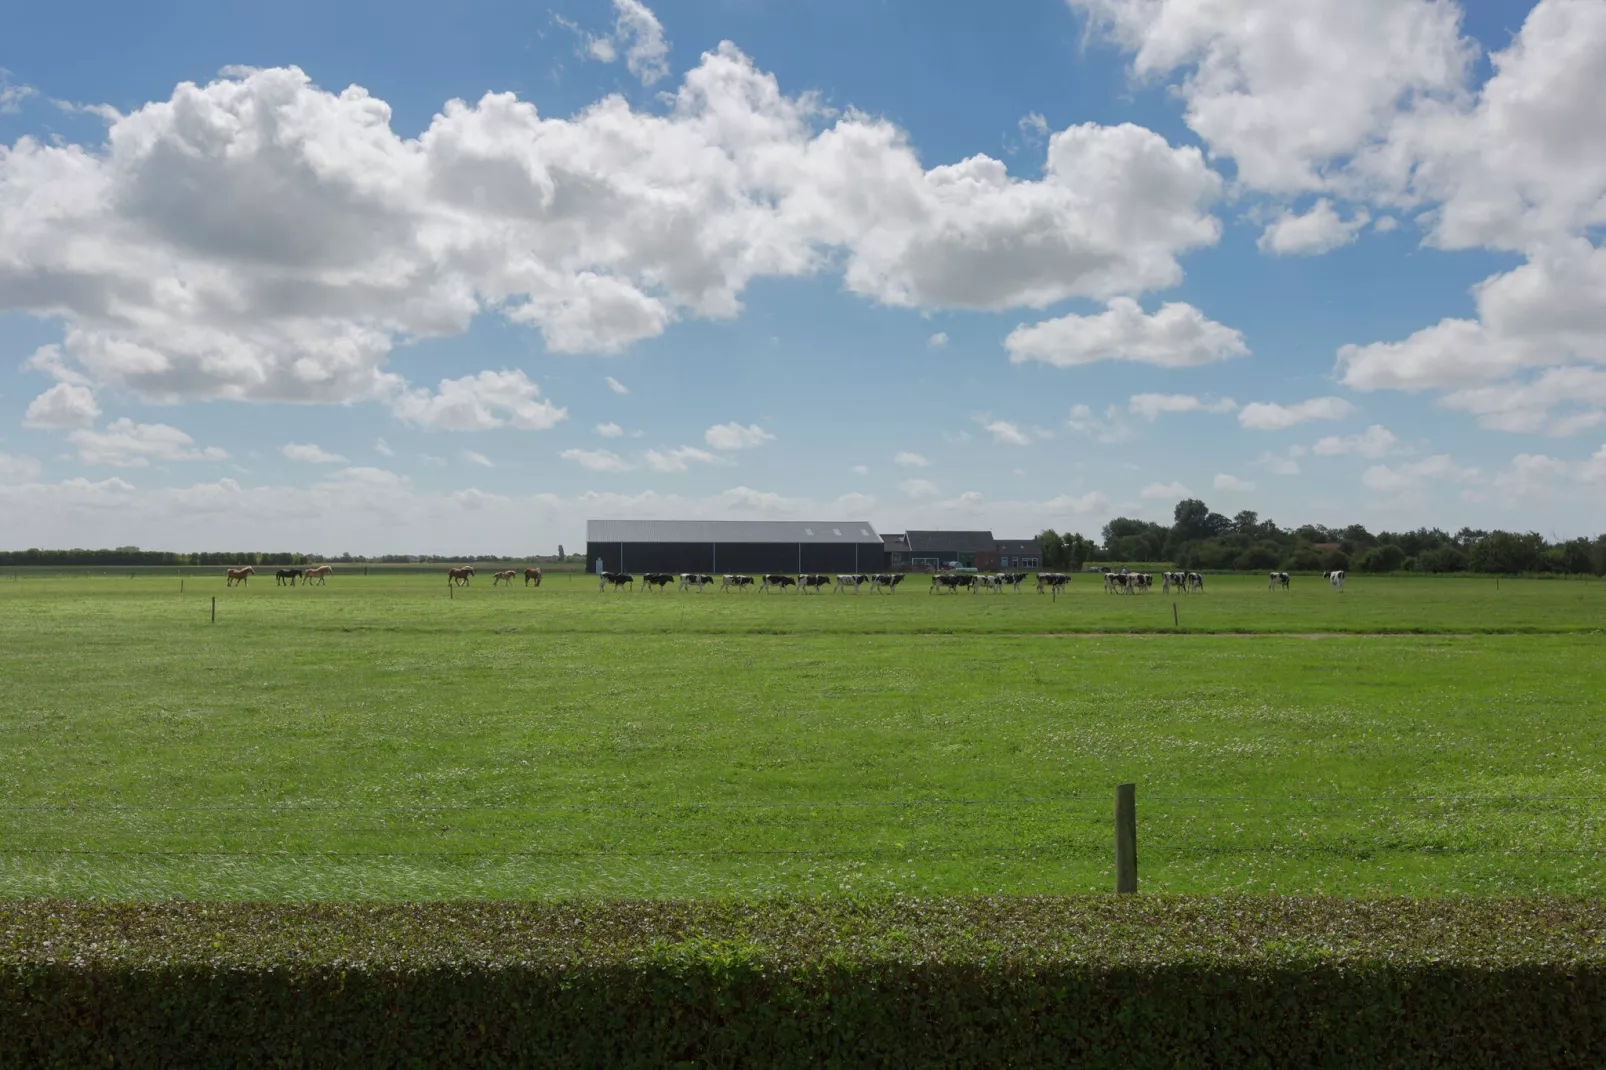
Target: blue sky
(922, 263)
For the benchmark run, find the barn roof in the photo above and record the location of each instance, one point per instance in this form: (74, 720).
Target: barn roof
(732, 531)
(1019, 546)
(959, 542)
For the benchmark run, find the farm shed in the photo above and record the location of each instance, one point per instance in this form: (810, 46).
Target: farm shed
(718, 546)
(972, 549)
(1019, 553)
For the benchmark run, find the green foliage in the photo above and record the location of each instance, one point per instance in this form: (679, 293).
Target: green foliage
(1446, 558)
(1385, 557)
(1507, 552)
(1304, 560)
(982, 981)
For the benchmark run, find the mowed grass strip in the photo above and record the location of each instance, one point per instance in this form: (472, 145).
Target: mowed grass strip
(376, 738)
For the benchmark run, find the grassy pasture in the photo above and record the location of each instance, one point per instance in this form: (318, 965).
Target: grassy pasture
(375, 738)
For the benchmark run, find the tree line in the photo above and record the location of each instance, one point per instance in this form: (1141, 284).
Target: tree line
(1198, 538)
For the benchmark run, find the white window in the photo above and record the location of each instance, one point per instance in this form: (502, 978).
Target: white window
(809, 532)
(837, 532)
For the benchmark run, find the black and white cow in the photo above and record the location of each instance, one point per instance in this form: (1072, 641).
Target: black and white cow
(659, 580)
(813, 581)
(778, 581)
(1275, 580)
(886, 581)
(616, 580)
(1335, 579)
(740, 583)
(1013, 579)
(1051, 581)
(1142, 582)
(1168, 580)
(1115, 582)
(844, 582)
(694, 579)
(1195, 582)
(993, 583)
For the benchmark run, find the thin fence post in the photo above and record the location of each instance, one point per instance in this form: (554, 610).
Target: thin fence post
(214, 609)
(1175, 623)
(1126, 838)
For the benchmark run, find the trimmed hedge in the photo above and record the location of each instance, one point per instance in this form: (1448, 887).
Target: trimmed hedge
(1133, 981)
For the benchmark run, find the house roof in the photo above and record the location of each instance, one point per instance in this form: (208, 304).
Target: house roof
(732, 531)
(895, 543)
(959, 542)
(1019, 546)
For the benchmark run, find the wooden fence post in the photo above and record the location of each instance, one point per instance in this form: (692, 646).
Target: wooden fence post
(1126, 838)
(214, 609)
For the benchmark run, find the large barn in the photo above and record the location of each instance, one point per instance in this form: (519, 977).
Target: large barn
(717, 546)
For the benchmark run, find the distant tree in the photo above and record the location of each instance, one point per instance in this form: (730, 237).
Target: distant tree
(1385, 557)
(1335, 561)
(1507, 552)
(1304, 559)
(1446, 558)
(1247, 523)
(1191, 520)
(1053, 548)
(560, 552)
(1262, 555)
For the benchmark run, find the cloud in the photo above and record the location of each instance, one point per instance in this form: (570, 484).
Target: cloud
(861, 470)
(615, 385)
(1292, 94)
(311, 454)
(1386, 224)
(61, 408)
(480, 402)
(474, 499)
(610, 430)
(1270, 416)
(734, 436)
(1527, 406)
(175, 277)
(12, 94)
(1226, 482)
(597, 460)
(918, 488)
(1150, 406)
(126, 444)
(678, 459)
(1281, 464)
(382, 448)
(1319, 230)
(938, 340)
(639, 34)
(1415, 474)
(1177, 336)
(1375, 441)
(1033, 128)
(1005, 433)
(476, 458)
(15, 469)
(905, 459)
(1109, 430)
(1164, 492)
(364, 477)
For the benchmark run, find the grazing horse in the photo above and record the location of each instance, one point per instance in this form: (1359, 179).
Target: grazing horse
(455, 576)
(291, 574)
(319, 574)
(532, 574)
(505, 577)
(238, 575)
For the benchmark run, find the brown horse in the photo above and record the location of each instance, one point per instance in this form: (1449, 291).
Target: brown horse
(532, 574)
(508, 577)
(238, 575)
(317, 574)
(460, 575)
(291, 574)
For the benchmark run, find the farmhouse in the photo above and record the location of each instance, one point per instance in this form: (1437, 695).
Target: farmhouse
(897, 547)
(972, 549)
(718, 546)
(1019, 553)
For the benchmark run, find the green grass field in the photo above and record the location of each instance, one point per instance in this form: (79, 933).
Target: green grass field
(376, 738)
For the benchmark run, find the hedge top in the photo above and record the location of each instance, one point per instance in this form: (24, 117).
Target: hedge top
(1127, 932)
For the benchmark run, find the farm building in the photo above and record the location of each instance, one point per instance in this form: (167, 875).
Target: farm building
(897, 547)
(1019, 553)
(972, 549)
(719, 546)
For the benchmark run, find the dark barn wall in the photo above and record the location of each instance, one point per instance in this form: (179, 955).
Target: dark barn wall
(749, 557)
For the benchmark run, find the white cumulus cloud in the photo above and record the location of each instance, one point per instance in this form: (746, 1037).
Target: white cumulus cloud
(733, 436)
(17, 469)
(1150, 406)
(1319, 230)
(310, 454)
(678, 459)
(126, 444)
(1226, 482)
(918, 488)
(1415, 474)
(61, 408)
(1270, 416)
(610, 430)
(1375, 441)
(1164, 492)
(476, 458)
(615, 385)
(480, 402)
(1108, 429)
(938, 340)
(1177, 336)
(1006, 433)
(906, 459)
(596, 460)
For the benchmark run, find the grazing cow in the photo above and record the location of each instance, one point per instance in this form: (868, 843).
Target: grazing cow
(694, 579)
(238, 575)
(843, 582)
(532, 574)
(738, 582)
(505, 577)
(1013, 579)
(1195, 582)
(1117, 581)
(460, 576)
(887, 581)
(1171, 579)
(775, 579)
(943, 581)
(994, 584)
(616, 580)
(1335, 579)
(1142, 581)
(659, 580)
(1051, 581)
(1275, 580)
(813, 581)
(320, 574)
(291, 574)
